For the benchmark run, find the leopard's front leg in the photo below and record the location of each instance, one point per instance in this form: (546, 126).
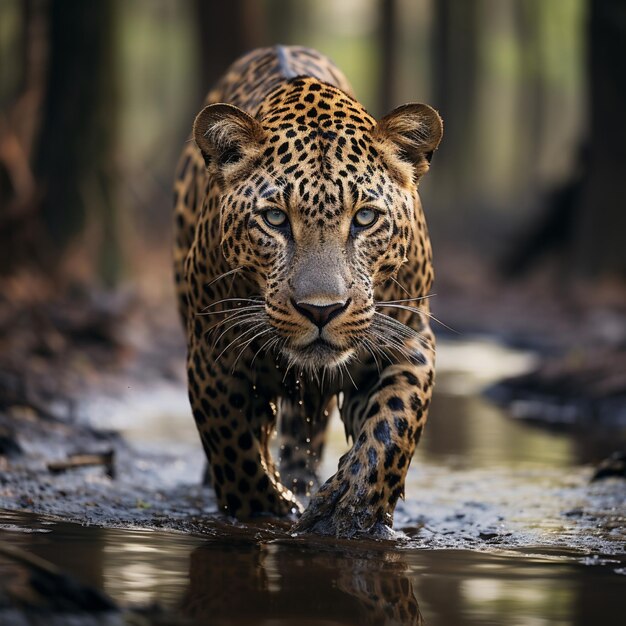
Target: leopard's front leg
(385, 422)
(235, 422)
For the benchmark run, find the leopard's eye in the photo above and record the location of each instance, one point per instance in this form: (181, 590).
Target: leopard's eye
(275, 218)
(365, 217)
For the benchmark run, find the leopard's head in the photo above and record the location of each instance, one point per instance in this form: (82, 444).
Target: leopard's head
(319, 203)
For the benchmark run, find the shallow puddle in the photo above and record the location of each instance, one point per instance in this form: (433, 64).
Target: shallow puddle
(263, 576)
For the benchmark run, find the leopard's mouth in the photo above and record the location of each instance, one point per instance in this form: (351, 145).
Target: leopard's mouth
(321, 343)
(319, 353)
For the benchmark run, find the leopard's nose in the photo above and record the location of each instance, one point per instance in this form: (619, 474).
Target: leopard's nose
(320, 315)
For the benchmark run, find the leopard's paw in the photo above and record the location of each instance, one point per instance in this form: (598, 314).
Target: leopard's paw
(342, 509)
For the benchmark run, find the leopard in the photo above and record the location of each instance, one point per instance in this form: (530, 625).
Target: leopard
(303, 269)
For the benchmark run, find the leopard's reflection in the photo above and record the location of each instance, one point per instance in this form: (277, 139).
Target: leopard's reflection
(239, 581)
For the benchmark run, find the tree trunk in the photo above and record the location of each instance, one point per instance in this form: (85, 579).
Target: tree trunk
(75, 149)
(388, 51)
(226, 30)
(600, 240)
(455, 71)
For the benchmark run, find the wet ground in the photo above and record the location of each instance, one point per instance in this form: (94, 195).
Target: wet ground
(501, 524)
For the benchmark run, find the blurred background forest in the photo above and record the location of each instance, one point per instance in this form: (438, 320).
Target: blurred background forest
(525, 200)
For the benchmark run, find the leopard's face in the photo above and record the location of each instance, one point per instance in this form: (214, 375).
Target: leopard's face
(319, 253)
(319, 205)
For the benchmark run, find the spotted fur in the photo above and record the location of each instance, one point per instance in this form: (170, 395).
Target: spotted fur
(302, 265)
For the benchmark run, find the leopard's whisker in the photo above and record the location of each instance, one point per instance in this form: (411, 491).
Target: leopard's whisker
(432, 317)
(242, 324)
(410, 299)
(402, 307)
(272, 347)
(331, 373)
(224, 275)
(380, 351)
(243, 320)
(234, 310)
(383, 349)
(401, 286)
(405, 330)
(290, 363)
(394, 324)
(340, 374)
(236, 343)
(261, 349)
(349, 375)
(382, 354)
(247, 343)
(396, 333)
(393, 305)
(235, 316)
(257, 300)
(231, 315)
(239, 338)
(368, 347)
(232, 284)
(315, 375)
(388, 340)
(397, 343)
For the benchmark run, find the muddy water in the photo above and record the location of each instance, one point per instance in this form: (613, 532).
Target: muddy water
(266, 577)
(500, 526)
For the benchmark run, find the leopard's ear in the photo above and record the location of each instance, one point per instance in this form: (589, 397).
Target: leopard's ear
(226, 135)
(414, 132)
